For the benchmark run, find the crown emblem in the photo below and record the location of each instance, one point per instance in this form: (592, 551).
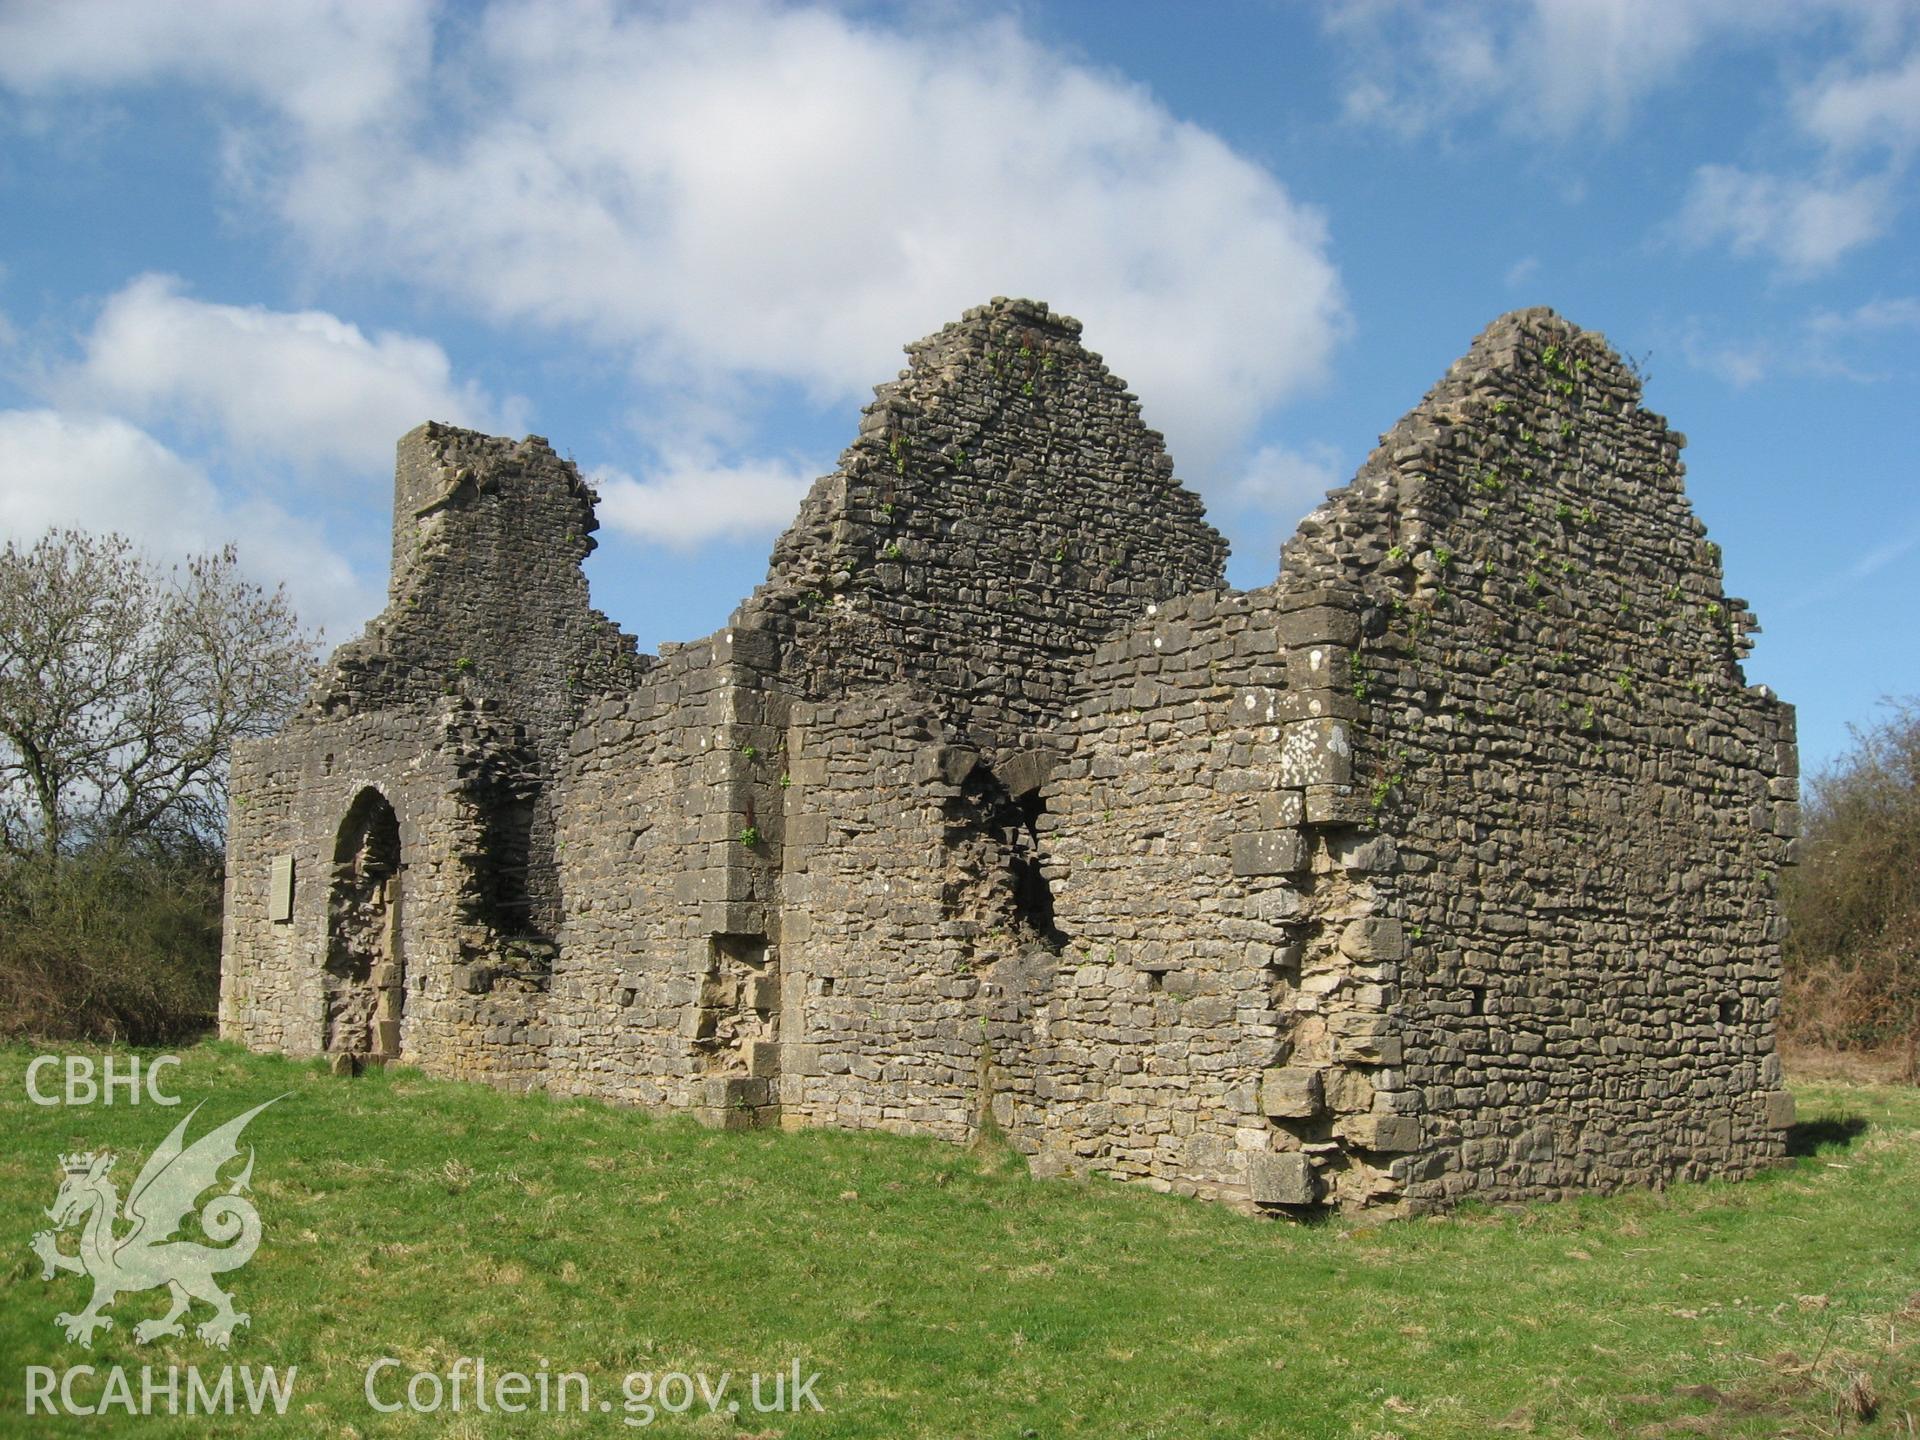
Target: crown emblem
(81, 1161)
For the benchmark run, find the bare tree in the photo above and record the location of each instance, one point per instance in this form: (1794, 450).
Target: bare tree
(123, 686)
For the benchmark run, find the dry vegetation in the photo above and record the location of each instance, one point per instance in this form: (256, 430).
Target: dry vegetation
(1853, 904)
(110, 945)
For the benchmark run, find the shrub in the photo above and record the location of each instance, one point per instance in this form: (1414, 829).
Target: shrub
(110, 945)
(1853, 903)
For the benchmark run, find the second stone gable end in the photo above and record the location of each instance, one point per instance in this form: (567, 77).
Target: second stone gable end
(1003, 508)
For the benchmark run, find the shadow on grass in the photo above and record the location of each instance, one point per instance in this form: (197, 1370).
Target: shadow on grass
(1810, 1137)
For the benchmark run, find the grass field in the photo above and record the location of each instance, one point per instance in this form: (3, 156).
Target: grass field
(943, 1294)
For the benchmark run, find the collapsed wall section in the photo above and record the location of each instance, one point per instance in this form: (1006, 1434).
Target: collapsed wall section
(1221, 1024)
(1590, 806)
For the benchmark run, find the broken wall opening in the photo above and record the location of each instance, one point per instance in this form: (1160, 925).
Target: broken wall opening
(364, 982)
(505, 891)
(997, 871)
(738, 1019)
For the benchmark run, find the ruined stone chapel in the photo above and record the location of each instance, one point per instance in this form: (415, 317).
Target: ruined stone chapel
(1442, 866)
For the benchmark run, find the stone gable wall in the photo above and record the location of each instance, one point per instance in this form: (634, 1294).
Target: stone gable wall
(1590, 805)
(1002, 509)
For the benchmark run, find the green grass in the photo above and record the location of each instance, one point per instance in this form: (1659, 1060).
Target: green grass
(942, 1294)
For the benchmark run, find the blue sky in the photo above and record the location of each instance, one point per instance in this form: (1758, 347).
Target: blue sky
(243, 247)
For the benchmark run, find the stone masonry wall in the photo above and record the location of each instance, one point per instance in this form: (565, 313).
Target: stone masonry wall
(1590, 806)
(471, 1007)
(1443, 866)
(458, 705)
(487, 599)
(1219, 1023)
(1002, 509)
(915, 926)
(669, 837)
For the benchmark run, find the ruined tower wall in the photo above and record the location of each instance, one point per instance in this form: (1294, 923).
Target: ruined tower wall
(457, 704)
(487, 600)
(1590, 806)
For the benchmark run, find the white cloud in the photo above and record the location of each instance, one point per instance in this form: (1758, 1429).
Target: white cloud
(1522, 272)
(1740, 363)
(333, 64)
(788, 193)
(1826, 344)
(1580, 61)
(1899, 313)
(1854, 111)
(1276, 488)
(690, 498)
(1286, 482)
(101, 473)
(1805, 224)
(1552, 67)
(303, 386)
(1560, 69)
(1811, 219)
(1878, 557)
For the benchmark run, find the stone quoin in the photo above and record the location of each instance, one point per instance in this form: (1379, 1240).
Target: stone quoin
(1443, 866)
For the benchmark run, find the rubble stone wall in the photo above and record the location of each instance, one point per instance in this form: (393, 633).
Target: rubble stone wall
(486, 600)
(669, 836)
(440, 767)
(1590, 806)
(1002, 509)
(918, 928)
(1221, 1024)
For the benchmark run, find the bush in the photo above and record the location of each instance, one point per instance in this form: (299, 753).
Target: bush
(1853, 904)
(110, 945)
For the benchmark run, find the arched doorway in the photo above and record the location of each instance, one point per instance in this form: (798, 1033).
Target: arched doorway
(364, 975)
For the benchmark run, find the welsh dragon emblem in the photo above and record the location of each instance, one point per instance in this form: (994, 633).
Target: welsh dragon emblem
(147, 1255)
